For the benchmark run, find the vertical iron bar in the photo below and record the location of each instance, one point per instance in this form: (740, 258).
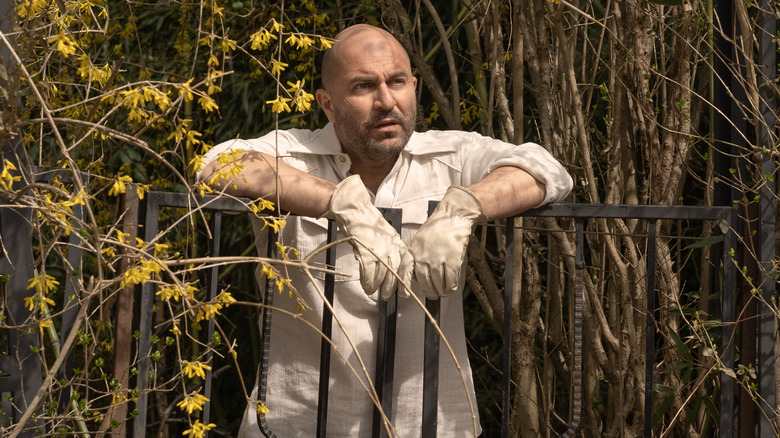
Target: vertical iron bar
(508, 292)
(728, 315)
(327, 330)
(650, 328)
(576, 373)
(268, 302)
(431, 370)
(145, 325)
(385, 349)
(215, 224)
(384, 363)
(431, 363)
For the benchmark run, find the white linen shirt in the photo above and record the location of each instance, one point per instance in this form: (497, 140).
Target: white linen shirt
(430, 163)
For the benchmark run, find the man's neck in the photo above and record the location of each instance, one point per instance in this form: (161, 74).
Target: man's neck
(371, 174)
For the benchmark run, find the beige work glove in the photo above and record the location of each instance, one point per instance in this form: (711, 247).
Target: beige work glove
(439, 247)
(354, 214)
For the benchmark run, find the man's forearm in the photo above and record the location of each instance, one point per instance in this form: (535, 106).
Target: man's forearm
(507, 191)
(262, 176)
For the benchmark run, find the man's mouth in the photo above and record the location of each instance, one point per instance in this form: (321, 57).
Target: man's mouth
(388, 123)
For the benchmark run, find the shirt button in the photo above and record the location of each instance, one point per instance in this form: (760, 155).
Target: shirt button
(342, 158)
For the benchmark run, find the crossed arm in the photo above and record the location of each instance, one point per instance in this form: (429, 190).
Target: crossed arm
(434, 256)
(502, 193)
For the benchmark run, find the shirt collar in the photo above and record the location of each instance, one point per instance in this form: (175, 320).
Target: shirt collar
(325, 142)
(322, 142)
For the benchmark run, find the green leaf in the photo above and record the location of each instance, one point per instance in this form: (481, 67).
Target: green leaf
(663, 408)
(674, 369)
(680, 345)
(712, 410)
(663, 389)
(706, 242)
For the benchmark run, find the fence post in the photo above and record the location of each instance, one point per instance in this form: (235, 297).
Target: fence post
(385, 348)
(21, 363)
(123, 333)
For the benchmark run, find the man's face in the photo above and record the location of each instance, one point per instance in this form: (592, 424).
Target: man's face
(371, 98)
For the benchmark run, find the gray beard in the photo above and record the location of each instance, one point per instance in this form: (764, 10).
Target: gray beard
(361, 143)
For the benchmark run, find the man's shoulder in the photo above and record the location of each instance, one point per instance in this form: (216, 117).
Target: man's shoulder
(451, 136)
(445, 142)
(286, 141)
(446, 134)
(292, 137)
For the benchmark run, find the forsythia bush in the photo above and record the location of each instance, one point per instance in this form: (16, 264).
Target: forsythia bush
(127, 96)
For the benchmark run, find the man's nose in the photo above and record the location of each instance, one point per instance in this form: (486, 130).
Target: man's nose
(384, 98)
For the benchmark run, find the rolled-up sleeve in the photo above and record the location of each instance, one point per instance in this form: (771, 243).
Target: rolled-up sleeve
(486, 154)
(257, 144)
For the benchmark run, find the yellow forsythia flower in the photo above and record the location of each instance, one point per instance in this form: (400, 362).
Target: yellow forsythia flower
(43, 282)
(325, 43)
(118, 187)
(186, 90)
(192, 402)
(195, 369)
(261, 39)
(226, 298)
(280, 105)
(6, 179)
(121, 237)
(44, 324)
(262, 204)
(277, 66)
(276, 27)
(65, 45)
(208, 104)
(108, 251)
(198, 429)
(274, 223)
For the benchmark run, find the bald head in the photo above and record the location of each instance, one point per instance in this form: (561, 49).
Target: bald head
(356, 39)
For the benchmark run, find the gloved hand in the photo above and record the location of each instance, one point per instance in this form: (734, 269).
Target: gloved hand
(353, 212)
(438, 249)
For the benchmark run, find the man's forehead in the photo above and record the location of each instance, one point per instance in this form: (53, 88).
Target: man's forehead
(368, 41)
(364, 47)
(368, 48)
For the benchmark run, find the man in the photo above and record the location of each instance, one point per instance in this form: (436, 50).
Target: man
(369, 156)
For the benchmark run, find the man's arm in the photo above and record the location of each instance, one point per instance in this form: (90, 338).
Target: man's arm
(507, 191)
(437, 252)
(376, 245)
(261, 175)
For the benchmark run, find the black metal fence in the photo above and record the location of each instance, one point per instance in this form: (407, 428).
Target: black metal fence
(384, 373)
(17, 362)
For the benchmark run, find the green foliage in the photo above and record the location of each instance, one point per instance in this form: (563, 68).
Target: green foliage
(132, 94)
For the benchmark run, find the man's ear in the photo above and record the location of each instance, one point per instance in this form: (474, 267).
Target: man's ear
(325, 102)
